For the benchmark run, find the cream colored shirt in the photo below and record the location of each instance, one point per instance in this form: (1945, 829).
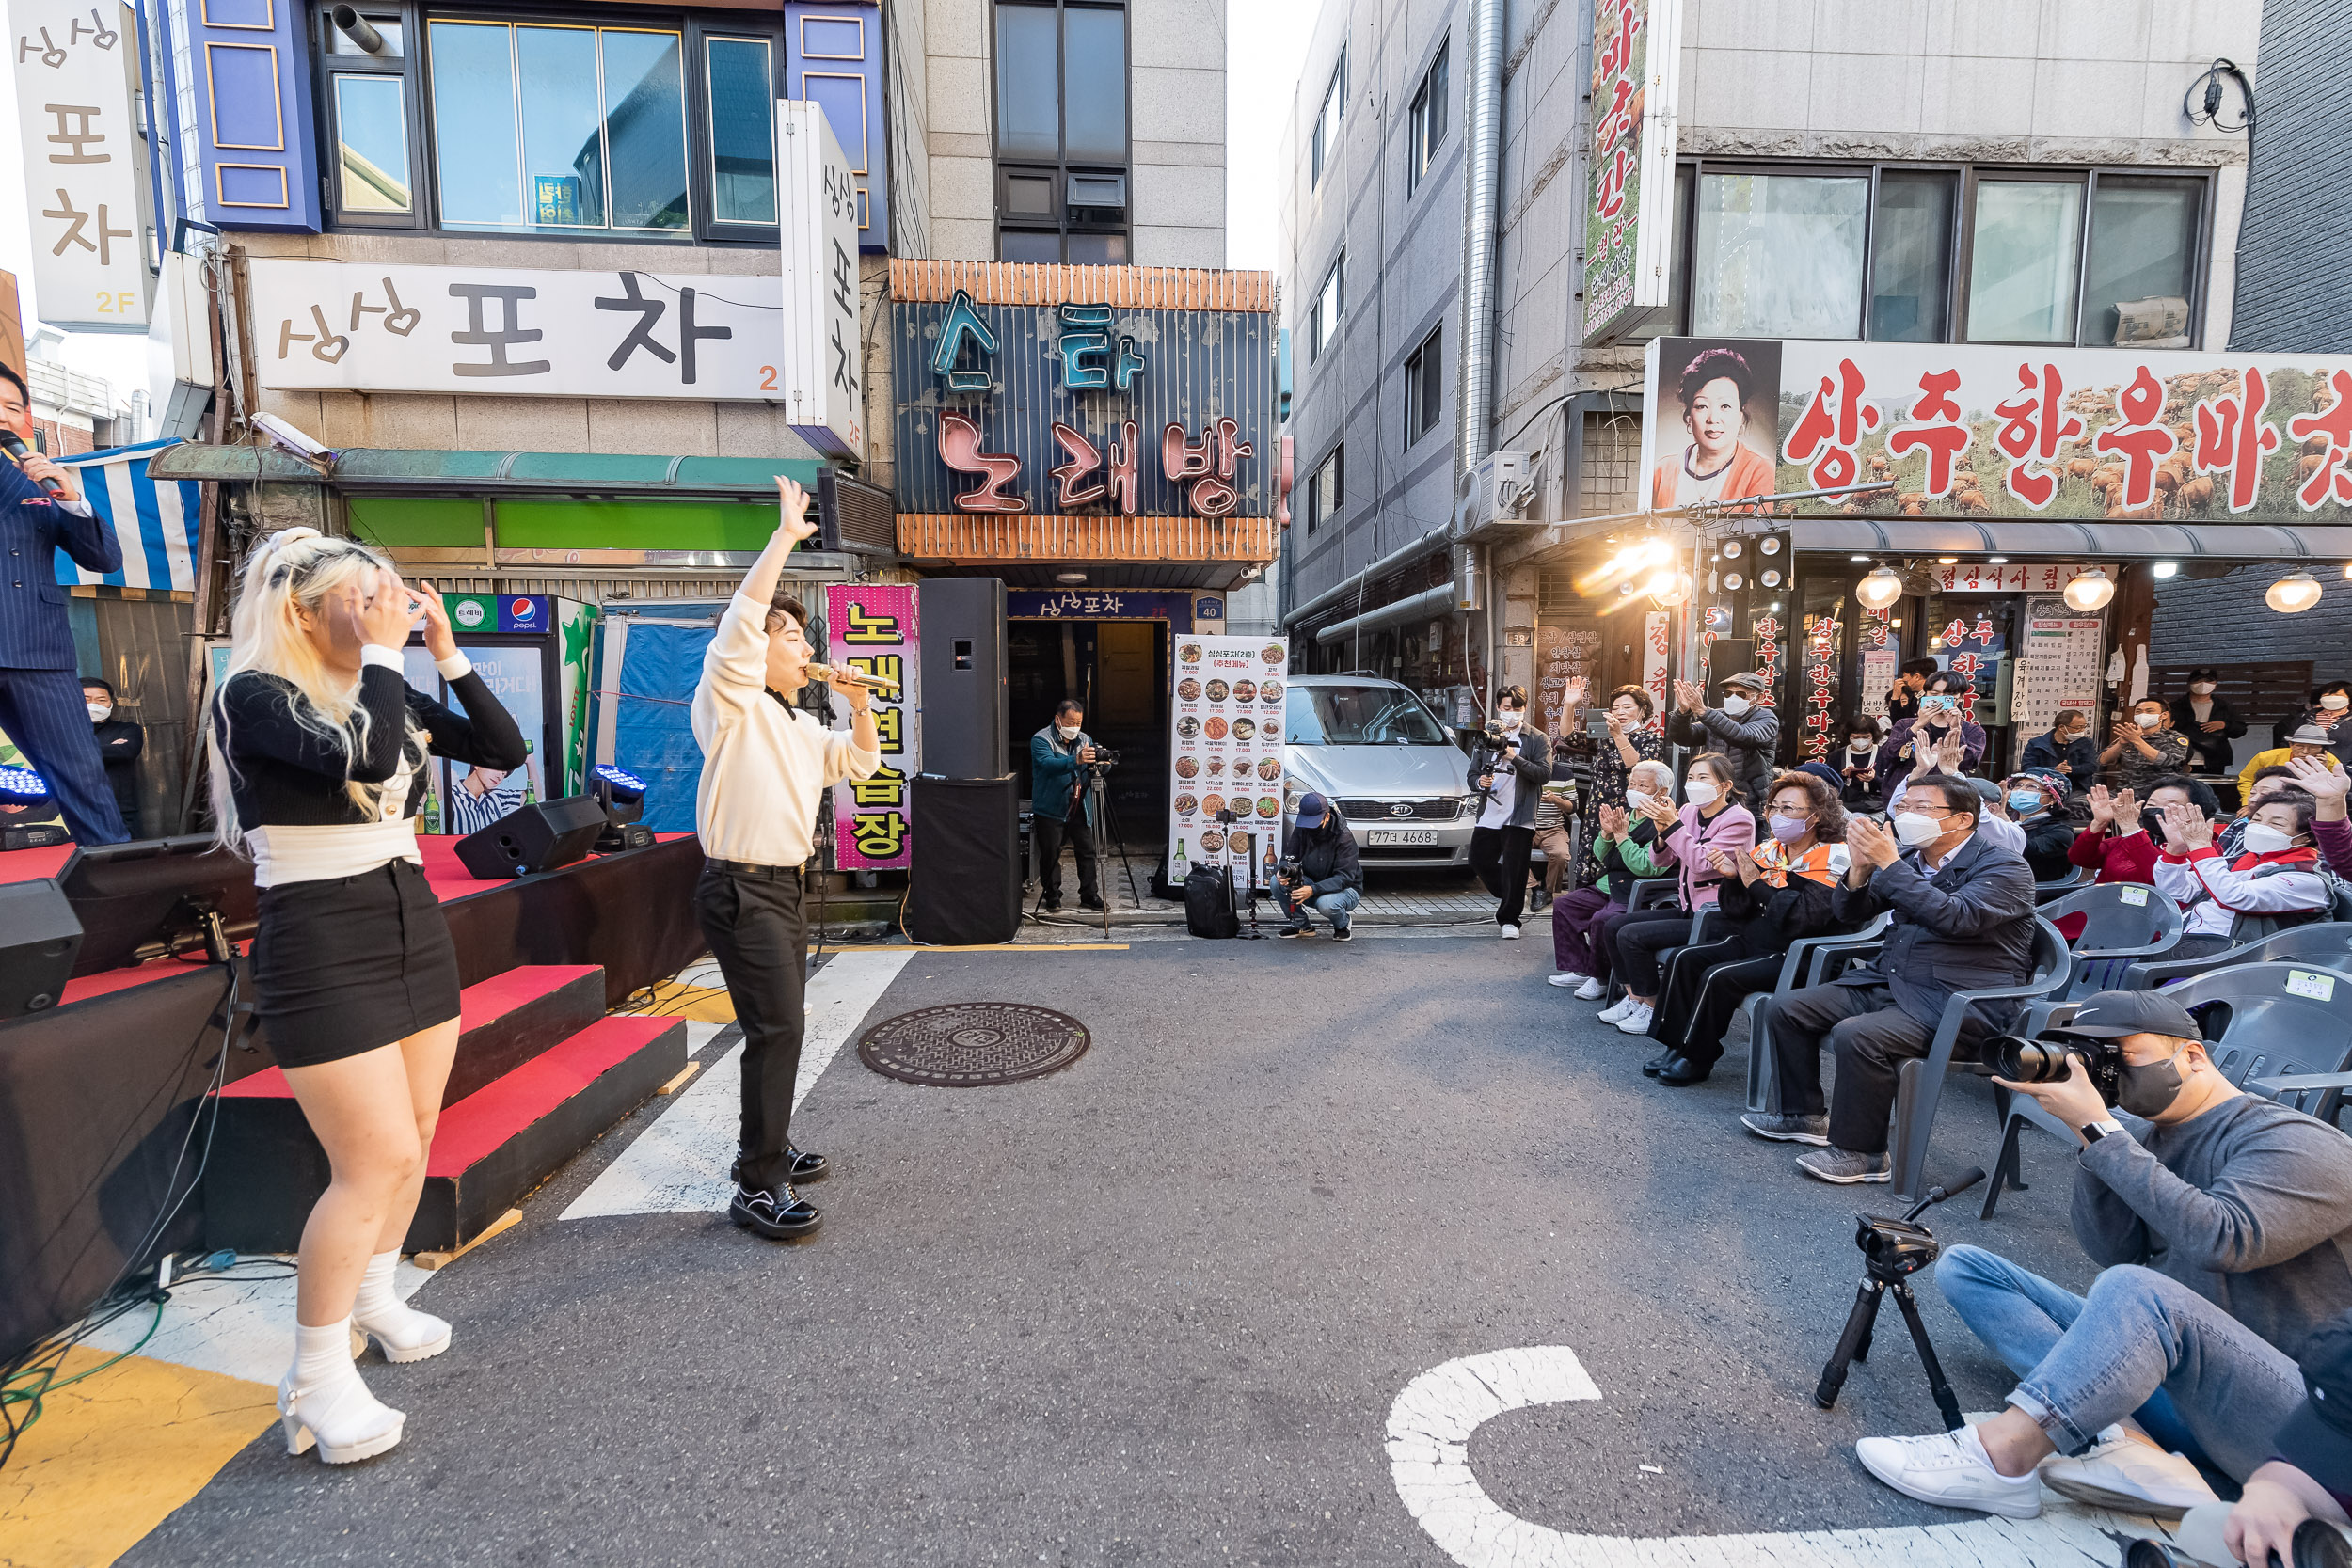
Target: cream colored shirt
(764, 766)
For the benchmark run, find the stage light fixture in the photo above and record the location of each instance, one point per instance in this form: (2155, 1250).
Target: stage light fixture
(21, 787)
(1883, 587)
(2091, 591)
(2294, 593)
(622, 796)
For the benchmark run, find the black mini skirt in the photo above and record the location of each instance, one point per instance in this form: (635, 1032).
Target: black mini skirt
(347, 965)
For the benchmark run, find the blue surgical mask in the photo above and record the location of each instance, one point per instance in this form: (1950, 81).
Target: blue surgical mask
(2024, 802)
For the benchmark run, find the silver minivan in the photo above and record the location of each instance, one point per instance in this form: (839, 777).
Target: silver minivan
(1398, 775)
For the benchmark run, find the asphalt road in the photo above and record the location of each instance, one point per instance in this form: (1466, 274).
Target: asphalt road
(1156, 1308)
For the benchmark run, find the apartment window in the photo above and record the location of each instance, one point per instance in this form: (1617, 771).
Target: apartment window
(1424, 387)
(1327, 121)
(1911, 257)
(1327, 489)
(742, 129)
(1330, 303)
(368, 117)
(1061, 130)
(1779, 255)
(2025, 253)
(1427, 128)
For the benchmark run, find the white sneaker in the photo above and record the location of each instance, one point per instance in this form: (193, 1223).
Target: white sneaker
(1591, 990)
(1510, 933)
(1625, 1005)
(1636, 1022)
(2129, 1477)
(1566, 978)
(1950, 1469)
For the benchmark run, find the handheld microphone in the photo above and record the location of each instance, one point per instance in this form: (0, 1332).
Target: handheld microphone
(835, 674)
(16, 449)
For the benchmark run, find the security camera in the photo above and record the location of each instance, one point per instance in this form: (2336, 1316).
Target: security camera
(288, 437)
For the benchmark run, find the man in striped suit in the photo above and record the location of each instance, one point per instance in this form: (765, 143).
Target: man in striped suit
(40, 695)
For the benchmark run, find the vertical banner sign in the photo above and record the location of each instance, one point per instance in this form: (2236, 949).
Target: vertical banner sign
(1227, 751)
(824, 366)
(871, 627)
(1629, 172)
(77, 71)
(1655, 635)
(1823, 653)
(1880, 660)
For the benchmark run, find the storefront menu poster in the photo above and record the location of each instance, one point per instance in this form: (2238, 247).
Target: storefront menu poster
(2060, 668)
(871, 627)
(1227, 753)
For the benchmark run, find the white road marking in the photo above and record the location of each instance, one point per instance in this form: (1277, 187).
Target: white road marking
(1429, 1430)
(679, 1164)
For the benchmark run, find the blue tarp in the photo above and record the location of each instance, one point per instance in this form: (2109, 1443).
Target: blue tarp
(652, 735)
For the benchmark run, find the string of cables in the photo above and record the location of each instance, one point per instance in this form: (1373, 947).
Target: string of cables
(31, 1376)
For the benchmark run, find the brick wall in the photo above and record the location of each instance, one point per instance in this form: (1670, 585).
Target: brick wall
(2224, 621)
(2298, 270)
(62, 441)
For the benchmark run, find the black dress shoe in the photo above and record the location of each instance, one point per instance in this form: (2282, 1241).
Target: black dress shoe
(807, 1168)
(1656, 1064)
(778, 1213)
(1683, 1072)
(1095, 904)
(1049, 909)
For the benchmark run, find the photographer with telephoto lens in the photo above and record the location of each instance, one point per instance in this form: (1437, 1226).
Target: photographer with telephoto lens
(2223, 1223)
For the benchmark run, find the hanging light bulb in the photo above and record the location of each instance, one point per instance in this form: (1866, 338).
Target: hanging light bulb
(1670, 588)
(1881, 588)
(2294, 593)
(2091, 591)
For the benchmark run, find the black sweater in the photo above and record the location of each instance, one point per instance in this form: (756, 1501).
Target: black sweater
(283, 771)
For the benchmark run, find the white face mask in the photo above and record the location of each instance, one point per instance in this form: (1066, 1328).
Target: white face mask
(2200, 688)
(1638, 800)
(1699, 792)
(2335, 702)
(2263, 839)
(1914, 828)
(99, 712)
(2147, 720)
(1862, 748)
(1510, 719)
(1068, 732)
(1735, 706)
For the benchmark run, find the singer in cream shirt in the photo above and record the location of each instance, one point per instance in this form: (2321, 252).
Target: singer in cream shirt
(766, 766)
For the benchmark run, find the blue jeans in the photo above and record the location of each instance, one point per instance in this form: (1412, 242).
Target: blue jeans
(1334, 907)
(2141, 1344)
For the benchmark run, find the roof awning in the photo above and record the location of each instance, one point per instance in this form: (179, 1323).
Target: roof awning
(2072, 540)
(427, 471)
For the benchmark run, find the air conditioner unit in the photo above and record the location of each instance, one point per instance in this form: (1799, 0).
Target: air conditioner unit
(1496, 489)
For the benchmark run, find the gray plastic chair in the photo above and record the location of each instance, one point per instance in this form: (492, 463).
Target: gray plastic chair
(1647, 892)
(1920, 1086)
(2076, 877)
(2123, 923)
(2329, 944)
(1806, 956)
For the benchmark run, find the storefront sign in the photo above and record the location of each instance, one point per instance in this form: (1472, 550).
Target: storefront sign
(1565, 654)
(2058, 669)
(1882, 659)
(506, 612)
(1969, 431)
(1823, 650)
(2032, 577)
(1657, 635)
(1109, 604)
(1629, 182)
(872, 627)
(77, 73)
(824, 364)
(469, 798)
(1227, 753)
(375, 327)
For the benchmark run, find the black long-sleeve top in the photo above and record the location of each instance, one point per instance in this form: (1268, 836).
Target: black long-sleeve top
(1773, 917)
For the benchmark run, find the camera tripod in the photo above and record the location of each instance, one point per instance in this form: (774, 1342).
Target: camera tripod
(1892, 1251)
(1106, 820)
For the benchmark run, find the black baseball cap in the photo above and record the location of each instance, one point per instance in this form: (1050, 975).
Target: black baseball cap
(1313, 809)
(2317, 1438)
(2112, 1014)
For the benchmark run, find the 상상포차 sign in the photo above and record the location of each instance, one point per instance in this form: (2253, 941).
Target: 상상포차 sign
(1227, 750)
(77, 70)
(871, 627)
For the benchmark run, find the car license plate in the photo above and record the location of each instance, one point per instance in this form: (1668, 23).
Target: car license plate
(1427, 837)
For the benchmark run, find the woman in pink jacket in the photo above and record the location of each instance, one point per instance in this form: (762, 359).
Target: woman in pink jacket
(1715, 820)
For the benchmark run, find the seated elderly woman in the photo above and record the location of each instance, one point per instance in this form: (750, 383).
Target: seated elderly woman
(1715, 820)
(1771, 897)
(2274, 878)
(1621, 845)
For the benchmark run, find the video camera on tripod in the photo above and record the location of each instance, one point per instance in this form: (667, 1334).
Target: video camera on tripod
(1892, 1252)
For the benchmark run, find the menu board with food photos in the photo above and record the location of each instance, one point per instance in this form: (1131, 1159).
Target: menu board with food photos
(1226, 751)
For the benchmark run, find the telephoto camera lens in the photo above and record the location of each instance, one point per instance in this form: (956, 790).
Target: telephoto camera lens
(2157, 1553)
(2024, 1061)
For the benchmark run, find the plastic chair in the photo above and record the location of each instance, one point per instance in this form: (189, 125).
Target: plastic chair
(1920, 1085)
(2327, 944)
(1796, 973)
(1647, 892)
(2079, 877)
(2123, 922)
(2286, 1022)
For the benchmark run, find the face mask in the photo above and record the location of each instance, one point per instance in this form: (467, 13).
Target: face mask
(2335, 703)
(2147, 1089)
(2147, 720)
(1510, 720)
(1789, 828)
(1735, 706)
(1861, 749)
(2263, 839)
(2025, 802)
(1699, 792)
(2200, 688)
(1913, 829)
(1068, 732)
(1638, 800)
(97, 712)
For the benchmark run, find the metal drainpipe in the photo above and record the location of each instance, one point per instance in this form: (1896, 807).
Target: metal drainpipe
(1482, 113)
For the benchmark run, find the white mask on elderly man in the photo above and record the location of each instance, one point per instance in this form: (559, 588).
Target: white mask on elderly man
(1735, 705)
(1068, 732)
(1914, 828)
(2147, 720)
(1638, 800)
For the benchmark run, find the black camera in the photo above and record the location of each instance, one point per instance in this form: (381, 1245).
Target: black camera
(1104, 757)
(1288, 870)
(2043, 1061)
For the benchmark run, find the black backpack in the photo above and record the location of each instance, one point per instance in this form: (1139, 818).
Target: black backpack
(1209, 902)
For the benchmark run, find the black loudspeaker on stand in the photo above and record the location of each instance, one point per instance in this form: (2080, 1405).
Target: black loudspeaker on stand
(537, 838)
(40, 937)
(963, 677)
(964, 888)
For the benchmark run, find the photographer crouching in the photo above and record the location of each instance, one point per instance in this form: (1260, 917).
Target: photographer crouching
(1320, 870)
(2223, 1225)
(1064, 761)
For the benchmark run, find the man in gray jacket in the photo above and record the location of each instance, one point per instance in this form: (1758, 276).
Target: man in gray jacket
(2223, 1223)
(1743, 731)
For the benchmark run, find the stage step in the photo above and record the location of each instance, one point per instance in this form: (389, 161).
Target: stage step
(493, 1146)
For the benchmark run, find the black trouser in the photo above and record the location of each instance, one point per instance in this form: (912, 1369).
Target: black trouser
(1670, 927)
(1499, 855)
(1871, 1038)
(1639, 943)
(1704, 986)
(758, 935)
(1050, 831)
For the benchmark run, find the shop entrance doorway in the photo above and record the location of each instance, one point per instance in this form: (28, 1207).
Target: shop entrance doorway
(1119, 671)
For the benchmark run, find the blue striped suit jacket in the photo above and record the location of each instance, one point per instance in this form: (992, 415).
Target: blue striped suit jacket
(34, 634)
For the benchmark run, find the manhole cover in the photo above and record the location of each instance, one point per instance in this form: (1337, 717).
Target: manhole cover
(972, 1043)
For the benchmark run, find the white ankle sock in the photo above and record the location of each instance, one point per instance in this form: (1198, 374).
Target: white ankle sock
(321, 1355)
(376, 1294)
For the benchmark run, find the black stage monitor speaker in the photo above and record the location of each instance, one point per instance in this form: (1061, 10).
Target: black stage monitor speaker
(537, 838)
(962, 627)
(965, 887)
(39, 939)
(155, 896)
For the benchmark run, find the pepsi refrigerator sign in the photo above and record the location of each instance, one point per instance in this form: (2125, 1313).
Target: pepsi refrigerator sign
(526, 613)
